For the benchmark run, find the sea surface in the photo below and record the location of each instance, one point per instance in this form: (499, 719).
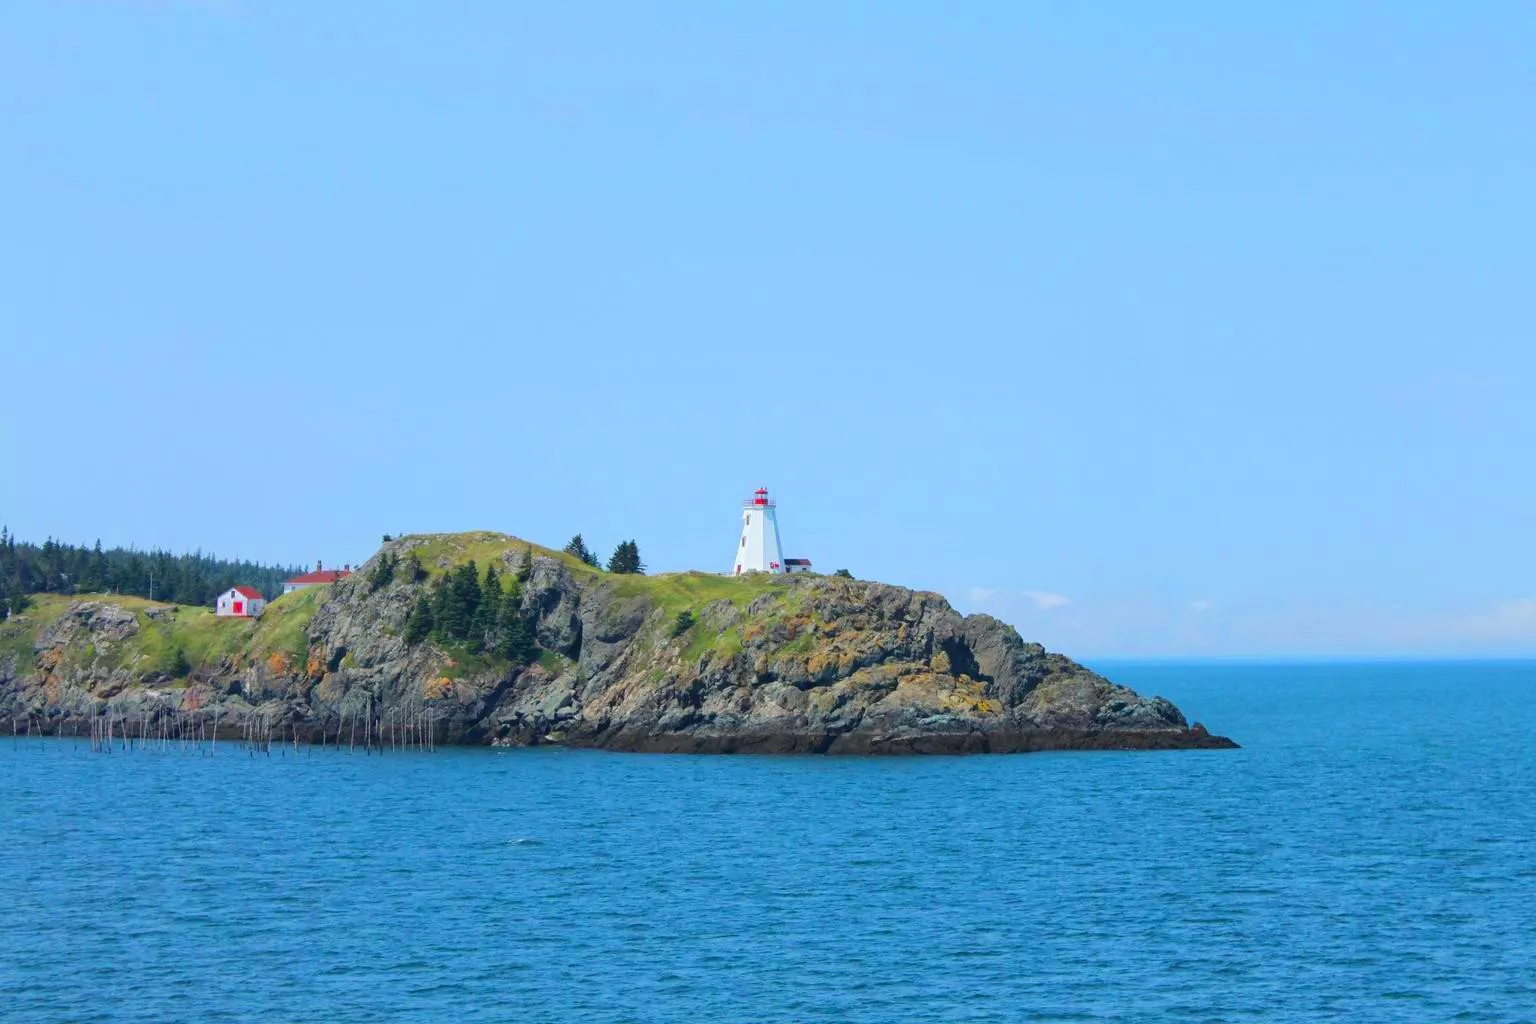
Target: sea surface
(1369, 855)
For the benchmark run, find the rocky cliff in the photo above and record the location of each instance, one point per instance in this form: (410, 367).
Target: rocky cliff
(781, 664)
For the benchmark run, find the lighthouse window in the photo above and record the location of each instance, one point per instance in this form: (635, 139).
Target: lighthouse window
(749, 518)
(743, 540)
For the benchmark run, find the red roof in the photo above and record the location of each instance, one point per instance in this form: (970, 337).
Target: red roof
(250, 592)
(322, 576)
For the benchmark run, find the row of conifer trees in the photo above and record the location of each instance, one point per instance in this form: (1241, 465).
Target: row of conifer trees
(483, 613)
(56, 567)
(625, 557)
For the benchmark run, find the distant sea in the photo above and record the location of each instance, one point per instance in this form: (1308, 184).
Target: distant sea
(1369, 855)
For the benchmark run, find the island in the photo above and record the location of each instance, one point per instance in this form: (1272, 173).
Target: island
(486, 639)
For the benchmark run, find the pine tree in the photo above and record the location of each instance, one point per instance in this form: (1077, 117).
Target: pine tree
(95, 575)
(466, 585)
(420, 625)
(626, 559)
(516, 636)
(454, 602)
(383, 573)
(578, 547)
(488, 612)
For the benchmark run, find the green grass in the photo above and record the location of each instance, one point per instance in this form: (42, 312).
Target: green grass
(553, 662)
(702, 638)
(805, 643)
(202, 636)
(483, 546)
(467, 664)
(674, 592)
(197, 632)
(284, 627)
(18, 634)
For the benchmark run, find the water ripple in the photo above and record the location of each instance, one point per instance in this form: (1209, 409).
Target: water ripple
(1367, 856)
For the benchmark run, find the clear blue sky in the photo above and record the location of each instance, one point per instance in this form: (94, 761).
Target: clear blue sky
(1157, 329)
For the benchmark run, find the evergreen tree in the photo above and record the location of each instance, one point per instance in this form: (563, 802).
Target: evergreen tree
(420, 625)
(844, 573)
(95, 576)
(626, 558)
(516, 636)
(466, 585)
(383, 572)
(13, 602)
(578, 547)
(455, 601)
(488, 613)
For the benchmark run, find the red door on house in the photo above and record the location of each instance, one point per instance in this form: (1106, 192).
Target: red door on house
(239, 607)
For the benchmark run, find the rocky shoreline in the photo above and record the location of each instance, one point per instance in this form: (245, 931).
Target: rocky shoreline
(768, 665)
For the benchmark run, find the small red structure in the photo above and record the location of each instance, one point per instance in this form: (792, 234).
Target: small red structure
(240, 603)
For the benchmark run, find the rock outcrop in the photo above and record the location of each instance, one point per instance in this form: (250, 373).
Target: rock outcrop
(774, 665)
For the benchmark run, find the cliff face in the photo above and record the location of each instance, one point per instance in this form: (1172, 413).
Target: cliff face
(785, 664)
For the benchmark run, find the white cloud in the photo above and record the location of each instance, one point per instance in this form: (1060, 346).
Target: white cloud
(980, 595)
(1512, 620)
(1134, 626)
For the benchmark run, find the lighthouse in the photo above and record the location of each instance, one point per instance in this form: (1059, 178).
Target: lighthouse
(759, 549)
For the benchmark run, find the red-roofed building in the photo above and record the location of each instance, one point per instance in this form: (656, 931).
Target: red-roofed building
(240, 603)
(320, 577)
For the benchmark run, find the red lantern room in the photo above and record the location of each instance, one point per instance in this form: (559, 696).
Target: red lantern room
(760, 496)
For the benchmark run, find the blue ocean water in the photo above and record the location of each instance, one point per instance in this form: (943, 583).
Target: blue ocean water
(1369, 855)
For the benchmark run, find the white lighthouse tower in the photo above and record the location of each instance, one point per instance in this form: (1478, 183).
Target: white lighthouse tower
(759, 549)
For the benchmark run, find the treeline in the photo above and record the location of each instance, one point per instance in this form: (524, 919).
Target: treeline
(57, 568)
(483, 613)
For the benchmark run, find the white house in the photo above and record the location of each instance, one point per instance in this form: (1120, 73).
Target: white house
(319, 578)
(759, 549)
(240, 603)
